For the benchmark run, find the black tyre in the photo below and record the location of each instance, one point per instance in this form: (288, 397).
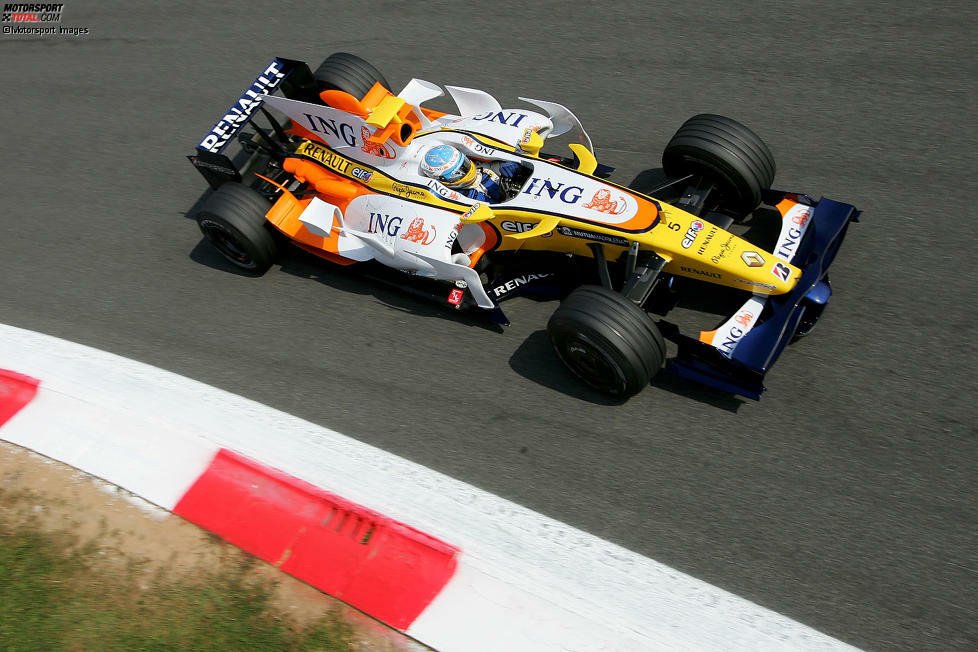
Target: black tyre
(348, 73)
(606, 340)
(233, 220)
(727, 153)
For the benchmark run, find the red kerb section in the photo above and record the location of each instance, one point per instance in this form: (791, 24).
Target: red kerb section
(380, 566)
(16, 391)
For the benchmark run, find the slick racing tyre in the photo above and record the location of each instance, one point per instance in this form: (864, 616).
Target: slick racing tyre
(726, 153)
(233, 220)
(607, 341)
(348, 73)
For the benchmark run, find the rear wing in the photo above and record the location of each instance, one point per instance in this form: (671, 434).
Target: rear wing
(291, 76)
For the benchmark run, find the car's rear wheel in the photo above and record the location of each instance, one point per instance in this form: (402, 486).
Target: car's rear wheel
(233, 221)
(727, 153)
(348, 73)
(607, 341)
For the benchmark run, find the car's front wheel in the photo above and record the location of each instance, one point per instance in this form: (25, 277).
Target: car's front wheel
(726, 153)
(233, 221)
(607, 341)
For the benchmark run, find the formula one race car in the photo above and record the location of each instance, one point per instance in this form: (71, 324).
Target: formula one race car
(342, 178)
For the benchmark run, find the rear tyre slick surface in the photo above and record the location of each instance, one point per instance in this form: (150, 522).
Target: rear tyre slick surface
(607, 341)
(348, 73)
(233, 221)
(726, 153)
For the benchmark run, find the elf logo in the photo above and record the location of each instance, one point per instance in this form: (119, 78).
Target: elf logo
(363, 175)
(521, 227)
(690, 237)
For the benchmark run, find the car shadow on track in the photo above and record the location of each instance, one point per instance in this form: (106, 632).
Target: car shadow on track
(296, 262)
(358, 279)
(205, 254)
(700, 393)
(536, 361)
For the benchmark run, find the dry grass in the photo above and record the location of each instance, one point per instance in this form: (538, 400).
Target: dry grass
(82, 568)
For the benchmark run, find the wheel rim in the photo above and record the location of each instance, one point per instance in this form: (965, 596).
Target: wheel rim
(227, 243)
(592, 365)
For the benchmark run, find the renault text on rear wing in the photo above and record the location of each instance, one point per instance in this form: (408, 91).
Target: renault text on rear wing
(238, 115)
(209, 158)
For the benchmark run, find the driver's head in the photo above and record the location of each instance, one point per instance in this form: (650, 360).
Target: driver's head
(448, 165)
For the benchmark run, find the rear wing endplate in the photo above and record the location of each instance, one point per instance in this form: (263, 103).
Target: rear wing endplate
(295, 80)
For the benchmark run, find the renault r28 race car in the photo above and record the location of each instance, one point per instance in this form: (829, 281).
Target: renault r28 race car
(341, 177)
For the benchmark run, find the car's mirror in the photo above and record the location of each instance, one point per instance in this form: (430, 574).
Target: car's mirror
(531, 142)
(586, 162)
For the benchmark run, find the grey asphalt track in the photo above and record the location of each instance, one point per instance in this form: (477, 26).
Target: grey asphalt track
(845, 499)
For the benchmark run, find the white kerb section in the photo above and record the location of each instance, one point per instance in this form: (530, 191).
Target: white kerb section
(524, 581)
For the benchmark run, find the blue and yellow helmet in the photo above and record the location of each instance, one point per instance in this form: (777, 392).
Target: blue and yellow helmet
(448, 165)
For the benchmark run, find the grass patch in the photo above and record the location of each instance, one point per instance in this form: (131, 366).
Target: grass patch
(58, 592)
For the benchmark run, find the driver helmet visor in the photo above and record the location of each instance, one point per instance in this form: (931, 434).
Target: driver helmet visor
(462, 174)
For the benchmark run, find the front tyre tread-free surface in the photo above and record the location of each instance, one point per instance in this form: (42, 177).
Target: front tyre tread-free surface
(233, 221)
(607, 341)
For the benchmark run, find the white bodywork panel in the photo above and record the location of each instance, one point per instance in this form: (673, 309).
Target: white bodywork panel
(471, 101)
(418, 238)
(338, 129)
(404, 235)
(416, 93)
(319, 216)
(729, 333)
(564, 121)
(793, 227)
(505, 125)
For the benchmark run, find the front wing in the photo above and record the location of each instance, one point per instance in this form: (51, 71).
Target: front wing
(741, 369)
